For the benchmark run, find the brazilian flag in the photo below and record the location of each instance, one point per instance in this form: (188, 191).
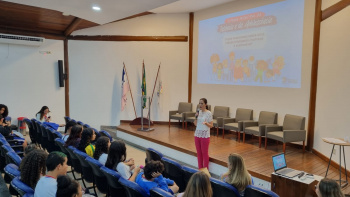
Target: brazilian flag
(143, 87)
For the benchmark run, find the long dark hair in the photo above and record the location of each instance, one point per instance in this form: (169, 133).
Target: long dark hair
(41, 112)
(74, 135)
(116, 153)
(6, 112)
(66, 186)
(205, 102)
(86, 137)
(101, 146)
(69, 124)
(32, 166)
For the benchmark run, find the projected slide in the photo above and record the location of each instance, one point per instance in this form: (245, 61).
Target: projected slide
(256, 47)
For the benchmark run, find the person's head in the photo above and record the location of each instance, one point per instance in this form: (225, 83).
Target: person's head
(74, 135)
(87, 137)
(69, 126)
(4, 111)
(151, 167)
(203, 103)
(57, 162)
(117, 153)
(66, 187)
(237, 172)
(43, 111)
(32, 167)
(30, 148)
(328, 188)
(102, 145)
(198, 185)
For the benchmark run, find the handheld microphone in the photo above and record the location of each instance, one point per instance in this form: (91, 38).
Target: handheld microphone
(197, 113)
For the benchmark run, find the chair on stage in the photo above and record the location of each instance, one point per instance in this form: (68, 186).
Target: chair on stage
(236, 124)
(254, 191)
(258, 127)
(187, 173)
(132, 189)
(157, 192)
(221, 188)
(115, 188)
(179, 114)
(191, 116)
(293, 130)
(21, 187)
(220, 112)
(173, 170)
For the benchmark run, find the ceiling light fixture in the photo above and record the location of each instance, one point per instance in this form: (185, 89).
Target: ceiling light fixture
(96, 8)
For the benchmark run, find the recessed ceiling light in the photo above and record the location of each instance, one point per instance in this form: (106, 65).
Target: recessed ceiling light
(96, 8)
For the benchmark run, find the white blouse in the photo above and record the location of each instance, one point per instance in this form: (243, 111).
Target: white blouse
(203, 131)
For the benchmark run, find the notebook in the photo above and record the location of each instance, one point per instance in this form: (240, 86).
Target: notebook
(280, 166)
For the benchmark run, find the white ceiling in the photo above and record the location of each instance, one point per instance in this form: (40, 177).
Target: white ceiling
(112, 10)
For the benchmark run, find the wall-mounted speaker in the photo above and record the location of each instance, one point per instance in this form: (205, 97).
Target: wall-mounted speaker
(60, 73)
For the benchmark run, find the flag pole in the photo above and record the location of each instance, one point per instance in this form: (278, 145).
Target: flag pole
(130, 90)
(155, 83)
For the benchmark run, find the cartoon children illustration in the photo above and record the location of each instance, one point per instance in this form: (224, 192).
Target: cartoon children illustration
(226, 72)
(219, 71)
(214, 59)
(246, 70)
(232, 64)
(268, 75)
(251, 65)
(261, 66)
(238, 70)
(277, 65)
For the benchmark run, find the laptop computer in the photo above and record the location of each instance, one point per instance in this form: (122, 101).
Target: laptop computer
(280, 166)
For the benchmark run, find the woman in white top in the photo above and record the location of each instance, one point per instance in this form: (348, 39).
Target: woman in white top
(204, 121)
(117, 161)
(43, 114)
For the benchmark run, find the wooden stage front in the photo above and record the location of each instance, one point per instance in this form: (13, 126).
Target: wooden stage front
(258, 160)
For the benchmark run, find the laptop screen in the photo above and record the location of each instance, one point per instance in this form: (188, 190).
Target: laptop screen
(279, 161)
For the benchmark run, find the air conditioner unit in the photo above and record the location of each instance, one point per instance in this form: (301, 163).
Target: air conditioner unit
(22, 40)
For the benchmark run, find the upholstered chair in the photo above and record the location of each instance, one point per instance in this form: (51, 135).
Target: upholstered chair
(220, 112)
(179, 113)
(236, 124)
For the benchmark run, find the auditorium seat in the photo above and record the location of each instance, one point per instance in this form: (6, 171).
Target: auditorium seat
(157, 192)
(11, 172)
(220, 112)
(80, 123)
(293, 130)
(236, 124)
(32, 133)
(105, 133)
(86, 126)
(190, 116)
(152, 154)
(115, 188)
(12, 157)
(254, 191)
(21, 187)
(67, 119)
(86, 170)
(99, 177)
(179, 114)
(258, 127)
(187, 173)
(221, 188)
(173, 170)
(132, 189)
(74, 161)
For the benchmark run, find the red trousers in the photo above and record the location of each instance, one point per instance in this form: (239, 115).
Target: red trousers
(202, 147)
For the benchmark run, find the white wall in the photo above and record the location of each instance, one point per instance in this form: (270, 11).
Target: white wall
(333, 93)
(281, 100)
(30, 79)
(96, 69)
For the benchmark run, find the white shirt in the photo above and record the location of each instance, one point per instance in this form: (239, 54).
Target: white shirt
(103, 158)
(46, 187)
(124, 170)
(203, 131)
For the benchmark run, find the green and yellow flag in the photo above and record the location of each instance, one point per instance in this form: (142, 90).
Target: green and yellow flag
(143, 87)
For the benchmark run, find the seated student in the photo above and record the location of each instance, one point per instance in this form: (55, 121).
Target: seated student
(68, 129)
(328, 188)
(44, 117)
(33, 167)
(85, 145)
(30, 148)
(5, 130)
(198, 185)
(152, 177)
(56, 164)
(237, 174)
(74, 136)
(102, 146)
(66, 187)
(116, 160)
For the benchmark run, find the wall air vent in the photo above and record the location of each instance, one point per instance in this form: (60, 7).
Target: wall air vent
(22, 40)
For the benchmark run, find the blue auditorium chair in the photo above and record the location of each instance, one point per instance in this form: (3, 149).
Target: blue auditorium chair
(115, 188)
(99, 176)
(221, 188)
(32, 133)
(105, 133)
(21, 187)
(51, 140)
(86, 170)
(187, 173)
(157, 192)
(74, 161)
(173, 170)
(254, 191)
(152, 154)
(132, 189)
(67, 119)
(12, 157)
(86, 126)
(80, 123)
(11, 172)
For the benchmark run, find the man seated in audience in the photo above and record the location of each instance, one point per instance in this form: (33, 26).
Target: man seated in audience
(152, 177)
(56, 165)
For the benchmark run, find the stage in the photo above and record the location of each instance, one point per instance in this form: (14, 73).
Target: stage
(258, 160)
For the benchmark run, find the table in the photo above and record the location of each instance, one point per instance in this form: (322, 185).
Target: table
(341, 143)
(292, 187)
